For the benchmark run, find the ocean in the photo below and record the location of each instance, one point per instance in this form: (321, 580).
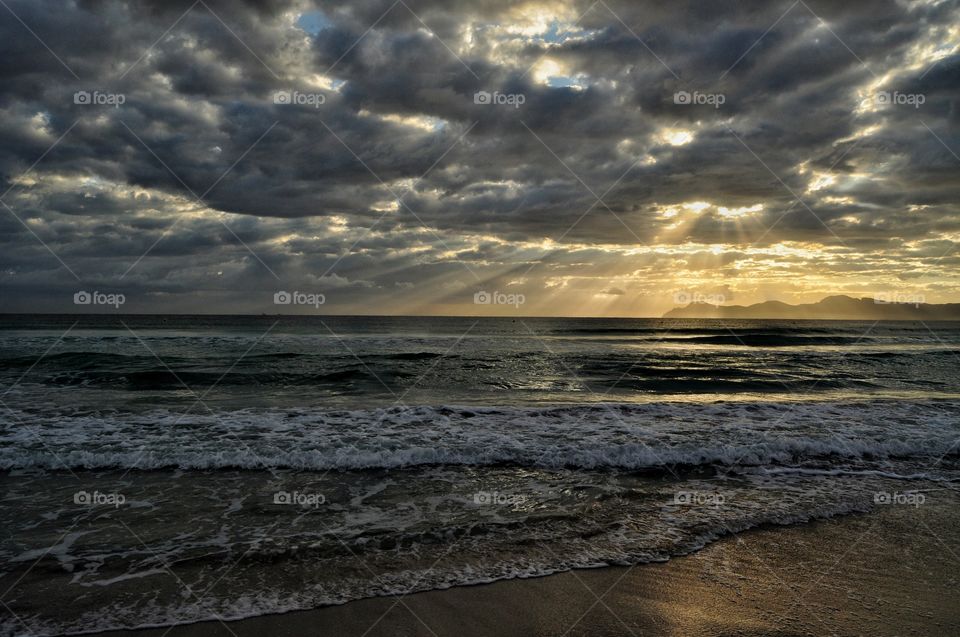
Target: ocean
(160, 470)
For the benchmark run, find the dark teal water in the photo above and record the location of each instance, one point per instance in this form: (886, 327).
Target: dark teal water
(366, 362)
(285, 463)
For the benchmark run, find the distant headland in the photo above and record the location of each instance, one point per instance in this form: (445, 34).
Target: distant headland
(831, 308)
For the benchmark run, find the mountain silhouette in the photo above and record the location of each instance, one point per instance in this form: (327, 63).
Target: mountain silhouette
(837, 307)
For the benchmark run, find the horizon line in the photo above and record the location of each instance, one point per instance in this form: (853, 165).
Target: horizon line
(467, 316)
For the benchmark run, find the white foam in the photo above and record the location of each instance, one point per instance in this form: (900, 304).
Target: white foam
(590, 437)
(268, 602)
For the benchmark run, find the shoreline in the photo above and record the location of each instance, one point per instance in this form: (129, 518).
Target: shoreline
(888, 572)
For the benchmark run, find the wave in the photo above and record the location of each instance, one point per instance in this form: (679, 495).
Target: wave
(257, 601)
(84, 360)
(630, 457)
(602, 482)
(71, 360)
(413, 356)
(773, 340)
(176, 378)
(668, 328)
(623, 437)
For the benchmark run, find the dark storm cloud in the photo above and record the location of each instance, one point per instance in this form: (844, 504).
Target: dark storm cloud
(311, 193)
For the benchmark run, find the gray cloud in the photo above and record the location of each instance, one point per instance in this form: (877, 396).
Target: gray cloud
(399, 188)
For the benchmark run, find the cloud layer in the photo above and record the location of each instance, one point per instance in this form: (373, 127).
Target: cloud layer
(596, 158)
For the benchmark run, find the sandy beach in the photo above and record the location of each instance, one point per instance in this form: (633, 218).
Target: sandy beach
(890, 572)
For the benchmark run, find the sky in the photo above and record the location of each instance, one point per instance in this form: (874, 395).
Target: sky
(607, 158)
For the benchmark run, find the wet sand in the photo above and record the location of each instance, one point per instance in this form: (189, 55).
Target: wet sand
(892, 572)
